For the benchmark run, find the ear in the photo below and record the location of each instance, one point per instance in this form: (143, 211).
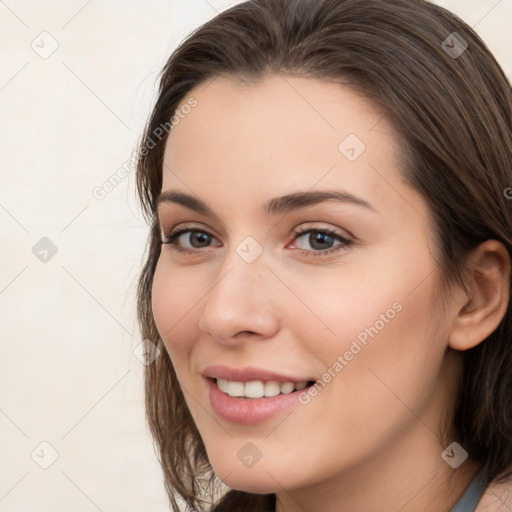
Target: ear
(484, 309)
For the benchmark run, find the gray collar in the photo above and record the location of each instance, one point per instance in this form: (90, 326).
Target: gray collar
(469, 500)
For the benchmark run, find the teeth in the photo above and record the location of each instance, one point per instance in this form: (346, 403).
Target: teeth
(223, 385)
(258, 388)
(272, 388)
(287, 387)
(235, 388)
(254, 389)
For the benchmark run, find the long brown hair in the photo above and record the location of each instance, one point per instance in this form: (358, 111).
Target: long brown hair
(452, 105)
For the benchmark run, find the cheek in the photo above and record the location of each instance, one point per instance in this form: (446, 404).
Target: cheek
(175, 303)
(366, 300)
(387, 352)
(382, 340)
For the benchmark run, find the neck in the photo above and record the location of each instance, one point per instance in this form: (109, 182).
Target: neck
(417, 483)
(407, 474)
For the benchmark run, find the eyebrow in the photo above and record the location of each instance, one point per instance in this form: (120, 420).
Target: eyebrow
(275, 206)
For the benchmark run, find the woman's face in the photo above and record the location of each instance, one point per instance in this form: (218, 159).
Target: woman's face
(303, 257)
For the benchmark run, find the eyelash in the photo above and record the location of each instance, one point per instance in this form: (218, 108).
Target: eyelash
(345, 243)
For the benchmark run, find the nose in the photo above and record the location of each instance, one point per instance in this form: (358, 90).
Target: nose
(241, 305)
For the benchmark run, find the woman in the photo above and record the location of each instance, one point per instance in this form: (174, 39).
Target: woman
(328, 267)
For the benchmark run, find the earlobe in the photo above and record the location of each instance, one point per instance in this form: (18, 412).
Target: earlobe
(489, 287)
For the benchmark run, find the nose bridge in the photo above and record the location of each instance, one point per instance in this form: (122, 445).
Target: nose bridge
(239, 299)
(243, 267)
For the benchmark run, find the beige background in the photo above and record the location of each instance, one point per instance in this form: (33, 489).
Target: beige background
(69, 377)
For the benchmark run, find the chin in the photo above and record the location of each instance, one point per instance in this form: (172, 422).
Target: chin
(251, 482)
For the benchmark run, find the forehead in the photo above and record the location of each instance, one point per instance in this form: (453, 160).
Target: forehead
(278, 135)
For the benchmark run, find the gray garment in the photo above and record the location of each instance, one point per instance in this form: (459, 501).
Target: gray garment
(469, 500)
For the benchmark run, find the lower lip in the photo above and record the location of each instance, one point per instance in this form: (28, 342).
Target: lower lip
(249, 411)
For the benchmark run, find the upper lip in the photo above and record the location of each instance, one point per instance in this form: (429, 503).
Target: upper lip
(248, 374)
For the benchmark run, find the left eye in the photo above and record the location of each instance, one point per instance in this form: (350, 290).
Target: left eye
(319, 240)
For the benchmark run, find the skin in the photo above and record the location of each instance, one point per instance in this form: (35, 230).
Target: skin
(370, 440)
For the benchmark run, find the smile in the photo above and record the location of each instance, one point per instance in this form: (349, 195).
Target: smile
(258, 388)
(257, 408)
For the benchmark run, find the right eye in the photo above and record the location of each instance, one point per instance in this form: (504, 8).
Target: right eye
(189, 240)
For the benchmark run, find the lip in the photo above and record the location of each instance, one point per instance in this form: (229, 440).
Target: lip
(249, 411)
(248, 374)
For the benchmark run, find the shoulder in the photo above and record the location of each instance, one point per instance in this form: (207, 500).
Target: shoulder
(497, 497)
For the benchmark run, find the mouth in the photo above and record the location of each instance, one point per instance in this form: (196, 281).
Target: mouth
(257, 389)
(253, 402)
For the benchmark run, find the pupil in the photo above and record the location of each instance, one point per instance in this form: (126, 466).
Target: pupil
(199, 239)
(317, 239)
